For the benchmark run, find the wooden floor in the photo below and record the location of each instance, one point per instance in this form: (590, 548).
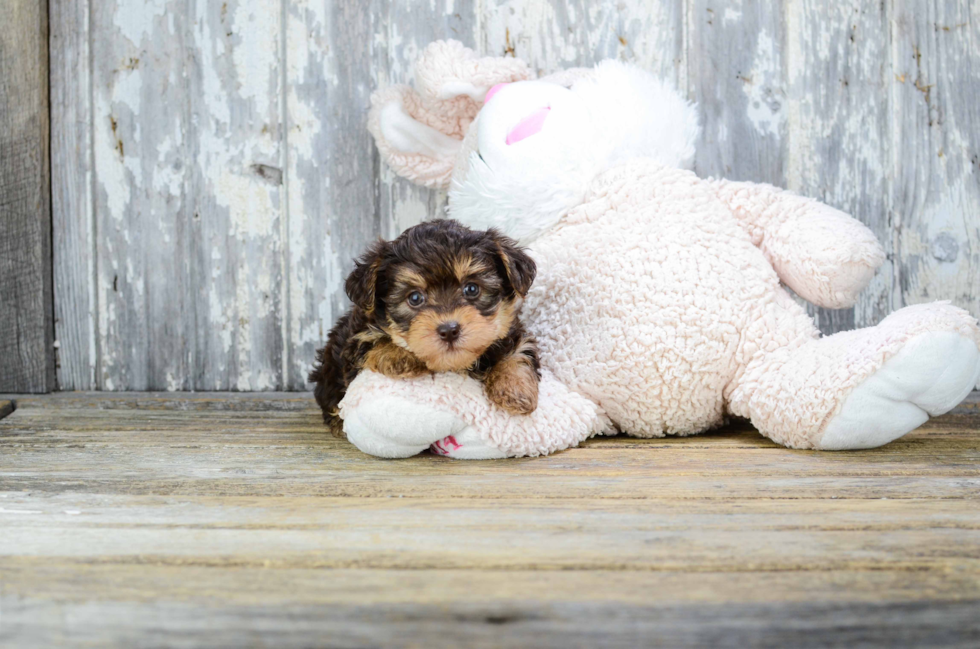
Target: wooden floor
(234, 520)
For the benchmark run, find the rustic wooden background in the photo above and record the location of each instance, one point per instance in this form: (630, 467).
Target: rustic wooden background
(212, 177)
(26, 331)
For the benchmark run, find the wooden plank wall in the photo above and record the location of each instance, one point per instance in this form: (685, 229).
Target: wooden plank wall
(213, 177)
(26, 327)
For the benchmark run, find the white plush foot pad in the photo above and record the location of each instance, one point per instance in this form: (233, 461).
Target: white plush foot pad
(930, 375)
(406, 428)
(409, 428)
(466, 445)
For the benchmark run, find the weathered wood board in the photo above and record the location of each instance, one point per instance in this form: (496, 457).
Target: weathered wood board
(213, 177)
(234, 520)
(26, 325)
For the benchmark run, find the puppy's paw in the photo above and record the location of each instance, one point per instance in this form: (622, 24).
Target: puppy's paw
(391, 360)
(513, 387)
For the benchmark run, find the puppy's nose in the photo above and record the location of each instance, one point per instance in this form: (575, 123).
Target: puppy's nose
(448, 331)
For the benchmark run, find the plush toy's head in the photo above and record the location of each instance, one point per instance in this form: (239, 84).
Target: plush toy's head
(526, 156)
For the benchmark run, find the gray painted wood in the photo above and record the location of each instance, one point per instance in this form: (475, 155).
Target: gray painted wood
(555, 35)
(936, 194)
(235, 216)
(188, 191)
(213, 157)
(838, 138)
(736, 73)
(26, 331)
(141, 195)
(72, 214)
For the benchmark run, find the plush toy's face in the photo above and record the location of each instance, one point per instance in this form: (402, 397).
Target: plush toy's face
(538, 145)
(532, 149)
(536, 148)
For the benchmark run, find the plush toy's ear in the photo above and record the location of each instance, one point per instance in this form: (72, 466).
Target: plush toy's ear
(449, 72)
(407, 139)
(362, 283)
(419, 133)
(517, 265)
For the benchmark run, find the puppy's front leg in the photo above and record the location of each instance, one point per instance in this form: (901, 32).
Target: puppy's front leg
(512, 384)
(391, 360)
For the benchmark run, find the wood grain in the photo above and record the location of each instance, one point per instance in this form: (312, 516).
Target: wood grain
(26, 326)
(142, 206)
(556, 35)
(331, 173)
(236, 282)
(72, 211)
(839, 130)
(936, 196)
(230, 520)
(736, 62)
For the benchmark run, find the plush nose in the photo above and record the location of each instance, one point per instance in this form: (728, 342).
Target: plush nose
(448, 331)
(493, 91)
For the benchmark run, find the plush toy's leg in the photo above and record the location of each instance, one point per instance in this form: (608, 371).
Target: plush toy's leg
(450, 415)
(864, 388)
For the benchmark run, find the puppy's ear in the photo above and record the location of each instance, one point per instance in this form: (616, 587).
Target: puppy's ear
(362, 283)
(517, 265)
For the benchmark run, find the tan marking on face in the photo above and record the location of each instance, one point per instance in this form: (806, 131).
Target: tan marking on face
(397, 334)
(466, 266)
(505, 315)
(408, 277)
(476, 334)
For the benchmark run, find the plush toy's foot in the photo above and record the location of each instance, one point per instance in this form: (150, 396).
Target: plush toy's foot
(862, 388)
(930, 375)
(466, 445)
(393, 427)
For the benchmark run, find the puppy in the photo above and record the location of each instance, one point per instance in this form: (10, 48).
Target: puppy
(439, 298)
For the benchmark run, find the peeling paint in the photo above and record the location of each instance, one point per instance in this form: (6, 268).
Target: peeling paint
(257, 79)
(134, 20)
(763, 88)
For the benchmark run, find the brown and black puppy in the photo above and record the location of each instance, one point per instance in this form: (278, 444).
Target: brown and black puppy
(439, 298)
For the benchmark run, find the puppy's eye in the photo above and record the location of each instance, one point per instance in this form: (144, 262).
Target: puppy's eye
(471, 290)
(415, 298)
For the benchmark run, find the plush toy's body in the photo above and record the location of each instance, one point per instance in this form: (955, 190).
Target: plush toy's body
(658, 306)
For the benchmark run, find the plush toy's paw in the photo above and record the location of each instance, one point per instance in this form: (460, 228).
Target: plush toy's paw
(466, 445)
(394, 427)
(931, 374)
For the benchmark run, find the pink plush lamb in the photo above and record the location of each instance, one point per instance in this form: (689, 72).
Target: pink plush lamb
(659, 304)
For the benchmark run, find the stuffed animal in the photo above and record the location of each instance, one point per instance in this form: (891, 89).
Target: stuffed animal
(659, 305)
